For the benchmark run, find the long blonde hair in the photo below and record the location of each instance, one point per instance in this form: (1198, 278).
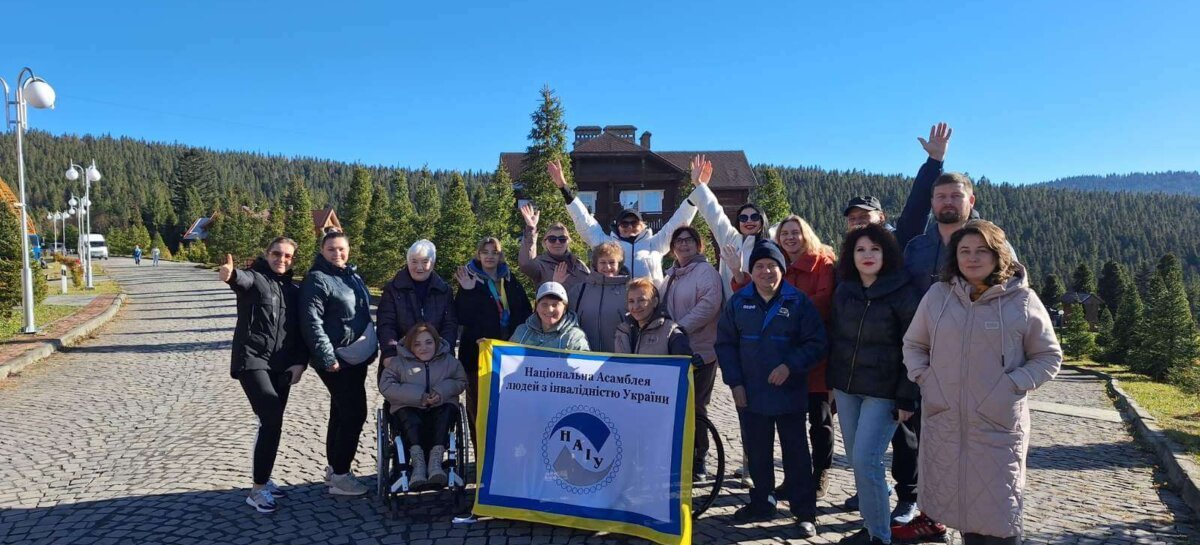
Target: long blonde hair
(812, 243)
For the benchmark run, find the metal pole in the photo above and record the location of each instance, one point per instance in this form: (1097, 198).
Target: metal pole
(87, 196)
(26, 271)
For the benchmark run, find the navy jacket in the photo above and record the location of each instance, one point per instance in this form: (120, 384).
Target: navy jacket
(335, 309)
(916, 207)
(925, 256)
(755, 336)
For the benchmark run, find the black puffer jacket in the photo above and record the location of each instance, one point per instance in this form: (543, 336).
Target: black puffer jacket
(335, 311)
(867, 338)
(267, 334)
(400, 309)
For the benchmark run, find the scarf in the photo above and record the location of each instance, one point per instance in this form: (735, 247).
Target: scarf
(495, 287)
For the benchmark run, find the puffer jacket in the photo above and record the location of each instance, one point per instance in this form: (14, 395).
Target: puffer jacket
(755, 336)
(565, 334)
(478, 311)
(335, 309)
(540, 269)
(975, 363)
(660, 337)
(727, 234)
(599, 302)
(866, 336)
(814, 275)
(407, 378)
(644, 252)
(692, 296)
(400, 309)
(267, 334)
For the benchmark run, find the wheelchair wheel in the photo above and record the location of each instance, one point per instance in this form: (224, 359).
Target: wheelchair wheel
(706, 489)
(462, 458)
(383, 453)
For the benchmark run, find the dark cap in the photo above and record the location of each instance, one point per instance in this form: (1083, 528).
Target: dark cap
(767, 249)
(866, 202)
(629, 212)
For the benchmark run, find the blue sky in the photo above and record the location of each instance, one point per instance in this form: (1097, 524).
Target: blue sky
(1034, 90)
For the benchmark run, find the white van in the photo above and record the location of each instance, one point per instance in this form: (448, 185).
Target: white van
(98, 248)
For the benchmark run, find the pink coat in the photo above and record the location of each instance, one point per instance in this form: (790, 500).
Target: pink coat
(975, 363)
(693, 298)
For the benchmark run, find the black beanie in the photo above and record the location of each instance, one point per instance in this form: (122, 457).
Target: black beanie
(767, 249)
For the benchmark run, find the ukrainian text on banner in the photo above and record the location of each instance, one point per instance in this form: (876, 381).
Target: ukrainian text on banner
(587, 440)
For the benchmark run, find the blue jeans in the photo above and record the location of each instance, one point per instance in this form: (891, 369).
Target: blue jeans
(867, 428)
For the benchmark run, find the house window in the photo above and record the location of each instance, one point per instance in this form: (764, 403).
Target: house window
(588, 198)
(646, 201)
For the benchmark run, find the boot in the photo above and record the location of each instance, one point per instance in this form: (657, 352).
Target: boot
(821, 479)
(437, 476)
(416, 458)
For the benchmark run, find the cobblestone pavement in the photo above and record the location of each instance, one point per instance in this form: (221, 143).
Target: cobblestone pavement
(140, 436)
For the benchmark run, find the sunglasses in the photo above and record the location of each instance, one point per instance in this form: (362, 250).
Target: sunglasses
(557, 240)
(748, 218)
(628, 224)
(280, 255)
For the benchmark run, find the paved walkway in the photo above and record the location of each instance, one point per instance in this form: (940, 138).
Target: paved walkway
(140, 436)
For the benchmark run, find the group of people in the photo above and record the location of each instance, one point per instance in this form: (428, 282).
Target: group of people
(925, 336)
(155, 253)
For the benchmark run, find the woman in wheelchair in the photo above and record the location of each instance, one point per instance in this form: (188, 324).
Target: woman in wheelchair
(422, 385)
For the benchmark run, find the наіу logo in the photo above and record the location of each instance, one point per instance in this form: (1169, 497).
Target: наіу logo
(581, 449)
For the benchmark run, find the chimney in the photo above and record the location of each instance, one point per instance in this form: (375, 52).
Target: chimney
(626, 132)
(583, 133)
(646, 139)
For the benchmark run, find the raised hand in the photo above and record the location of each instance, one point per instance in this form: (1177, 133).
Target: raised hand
(939, 140)
(530, 215)
(560, 272)
(225, 273)
(466, 280)
(701, 170)
(556, 173)
(732, 258)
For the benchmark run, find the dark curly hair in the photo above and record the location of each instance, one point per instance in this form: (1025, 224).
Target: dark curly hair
(893, 258)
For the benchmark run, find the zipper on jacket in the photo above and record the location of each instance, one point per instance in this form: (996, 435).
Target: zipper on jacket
(962, 401)
(857, 341)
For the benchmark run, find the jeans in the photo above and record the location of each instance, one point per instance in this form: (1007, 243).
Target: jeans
(867, 428)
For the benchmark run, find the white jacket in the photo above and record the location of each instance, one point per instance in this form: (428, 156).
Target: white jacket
(726, 233)
(644, 255)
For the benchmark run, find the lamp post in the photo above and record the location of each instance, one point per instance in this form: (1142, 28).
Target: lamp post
(30, 90)
(53, 217)
(91, 174)
(75, 202)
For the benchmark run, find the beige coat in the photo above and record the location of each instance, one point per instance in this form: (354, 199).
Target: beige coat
(975, 363)
(406, 379)
(692, 296)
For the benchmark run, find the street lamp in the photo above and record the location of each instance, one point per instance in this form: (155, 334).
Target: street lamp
(30, 90)
(54, 217)
(91, 174)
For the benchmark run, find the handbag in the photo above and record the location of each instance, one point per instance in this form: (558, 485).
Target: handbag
(361, 349)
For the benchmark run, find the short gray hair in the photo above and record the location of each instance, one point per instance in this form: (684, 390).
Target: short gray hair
(422, 248)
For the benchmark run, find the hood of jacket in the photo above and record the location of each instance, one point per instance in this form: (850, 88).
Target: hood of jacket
(502, 271)
(404, 353)
(961, 288)
(884, 285)
(596, 279)
(570, 319)
(404, 281)
(677, 270)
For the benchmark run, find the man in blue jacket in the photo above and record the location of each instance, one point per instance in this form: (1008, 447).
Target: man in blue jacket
(768, 337)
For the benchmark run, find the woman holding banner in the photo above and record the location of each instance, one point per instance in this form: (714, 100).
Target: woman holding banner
(552, 324)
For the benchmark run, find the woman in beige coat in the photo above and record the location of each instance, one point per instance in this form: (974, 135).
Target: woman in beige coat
(980, 341)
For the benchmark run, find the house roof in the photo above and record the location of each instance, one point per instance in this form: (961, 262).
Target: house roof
(198, 230)
(731, 169)
(321, 217)
(1079, 298)
(608, 143)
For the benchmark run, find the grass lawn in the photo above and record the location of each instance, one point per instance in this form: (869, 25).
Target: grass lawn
(43, 315)
(1177, 412)
(103, 284)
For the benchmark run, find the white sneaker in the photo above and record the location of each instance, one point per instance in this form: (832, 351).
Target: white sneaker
(274, 489)
(346, 485)
(261, 500)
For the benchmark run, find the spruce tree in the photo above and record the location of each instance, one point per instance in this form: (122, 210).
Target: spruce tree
(140, 236)
(10, 260)
(404, 215)
(498, 211)
(1126, 339)
(383, 250)
(193, 172)
(1111, 284)
(548, 142)
(356, 209)
(1169, 346)
(457, 230)
(299, 225)
(164, 253)
(1082, 280)
(1052, 292)
(1104, 335)
(772, 197)
(1077, 340)
(428, 203)
(276, 223)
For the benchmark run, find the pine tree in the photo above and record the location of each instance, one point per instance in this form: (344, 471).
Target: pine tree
(428, 207)
(1169, 346)
(1104, 335)
(276, 223)
(772, 197)
(404, 215)
(1082, 280)
(548, 142)
(193, 172)
(1111, 284)
(498, 211)
(457, 230)
(299, 225)
(1052, 292)
(140, 236)
(194, 208)
(383, 250)
(356, 209)
(10, 261)
(1077, 337)
(158, 242)
(1126, 334)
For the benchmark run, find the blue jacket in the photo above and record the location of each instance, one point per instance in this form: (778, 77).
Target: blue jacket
(925, 256)
(755, 336)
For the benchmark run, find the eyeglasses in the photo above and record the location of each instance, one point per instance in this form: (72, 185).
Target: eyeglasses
(749, 218)
(280, 255)
(557, 240)
(688, 240)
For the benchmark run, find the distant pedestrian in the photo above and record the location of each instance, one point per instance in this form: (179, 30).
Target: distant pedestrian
(137, 255)
(154, 254)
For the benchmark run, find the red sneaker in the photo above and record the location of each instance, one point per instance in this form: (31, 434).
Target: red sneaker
(922, 529)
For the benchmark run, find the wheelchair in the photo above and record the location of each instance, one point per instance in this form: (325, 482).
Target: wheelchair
(394, 468)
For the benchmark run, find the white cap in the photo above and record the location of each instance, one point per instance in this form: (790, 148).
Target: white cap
(551, 288)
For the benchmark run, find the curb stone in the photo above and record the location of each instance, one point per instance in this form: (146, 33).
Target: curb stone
(50, 346)
(1183, 473)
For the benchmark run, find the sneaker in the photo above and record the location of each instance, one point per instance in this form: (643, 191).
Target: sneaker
(261, 501)
(862, 537)
(922, 529)
(904, 512)
(851, 503)
(328, 474)
(754, 513)
(346, 485)
(274, 489)
(806, 529)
